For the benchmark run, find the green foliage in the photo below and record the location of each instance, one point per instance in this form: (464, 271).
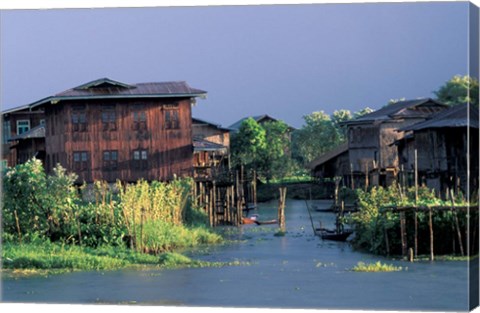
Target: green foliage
(316, 137)
(150, 217)
(248, 145)
(459, 89)
(371, 222)
(276, 160)
(264, 148)
(375, 267)
(37, 204)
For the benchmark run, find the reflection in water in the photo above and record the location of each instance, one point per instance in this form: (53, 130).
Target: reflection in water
(297, 270)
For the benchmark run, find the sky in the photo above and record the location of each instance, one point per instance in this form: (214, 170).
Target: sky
(283, 60)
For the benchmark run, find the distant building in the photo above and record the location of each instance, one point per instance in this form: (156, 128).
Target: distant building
(211, 146)
(447, 145)
(108, 130)
(372, 155)
(21, 128)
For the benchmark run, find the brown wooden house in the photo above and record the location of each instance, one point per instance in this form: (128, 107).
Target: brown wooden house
(18, 124)
(370, 139)
(108, 130)
(447, 147)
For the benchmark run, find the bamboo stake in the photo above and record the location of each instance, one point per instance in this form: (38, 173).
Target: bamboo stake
(430, 225)
(18, 227)
(366, 177)
(387, 243)
(352, 183)
(459, 234)
(214, 203)
(403, 233)
(416, 177)
(416, 233)
(281, 208)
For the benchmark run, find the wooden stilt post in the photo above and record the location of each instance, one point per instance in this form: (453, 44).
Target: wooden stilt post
(415, 243)
(255, 188)
(416, 177)
(214, 203)
(457, 225)
(387, 243)
(366, 176)
(430, 225)
(281, 209)
(403, 233)
(352, 183)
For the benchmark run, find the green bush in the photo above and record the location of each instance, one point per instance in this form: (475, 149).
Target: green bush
(152, 217)
(371, 223)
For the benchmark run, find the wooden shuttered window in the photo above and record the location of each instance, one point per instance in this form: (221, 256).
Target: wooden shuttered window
(140, 159)
(81, 160)
(110, 160)
(109, 118)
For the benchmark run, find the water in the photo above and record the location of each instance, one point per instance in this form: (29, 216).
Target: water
(298, 270)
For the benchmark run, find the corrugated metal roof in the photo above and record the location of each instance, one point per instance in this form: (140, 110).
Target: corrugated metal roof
(196, 120)
(460, 115)
(401, 109)
(205, 145)
(35, 132)
(105, 88)
(328, 156)
(109, 87)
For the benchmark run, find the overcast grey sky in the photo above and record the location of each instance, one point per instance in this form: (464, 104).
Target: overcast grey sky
(286, 61)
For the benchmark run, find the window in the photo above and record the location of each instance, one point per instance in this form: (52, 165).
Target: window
(110, 160)
(80, 160)
(109, 118)
(140, 159)
(7, 132)
(23, 126)
(139, 120)
(171, 119)
(79, 121)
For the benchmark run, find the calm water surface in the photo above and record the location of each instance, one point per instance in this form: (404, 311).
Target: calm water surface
(298, 270)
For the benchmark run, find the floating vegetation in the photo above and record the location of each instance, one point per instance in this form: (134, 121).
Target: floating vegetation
(375, 267)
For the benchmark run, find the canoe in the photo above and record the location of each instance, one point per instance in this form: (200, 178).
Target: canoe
(327, 234)
(248, 220)
(266, 222)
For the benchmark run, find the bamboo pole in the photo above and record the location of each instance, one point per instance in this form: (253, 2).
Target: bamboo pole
(366, 176)
(387, 242)
(352, 183)
(415, 243)
(214, 203)
(281, 209)
(403, 233)
(416, 177)
(430, 226)
(457, 225)
(18, 227)
(255, 188)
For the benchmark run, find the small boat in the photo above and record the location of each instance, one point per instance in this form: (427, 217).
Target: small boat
(250, 220)
(265, 222)
(327, 234)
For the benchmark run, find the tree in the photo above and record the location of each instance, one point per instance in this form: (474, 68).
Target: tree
(316, 137)
(362, 112)
(338, 117)
(459, 89)
(276, 161)
(248, 145)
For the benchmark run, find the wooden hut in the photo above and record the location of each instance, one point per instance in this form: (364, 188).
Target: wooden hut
(108, 130)
(447, 149)
(371, 137)
(15, 123)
